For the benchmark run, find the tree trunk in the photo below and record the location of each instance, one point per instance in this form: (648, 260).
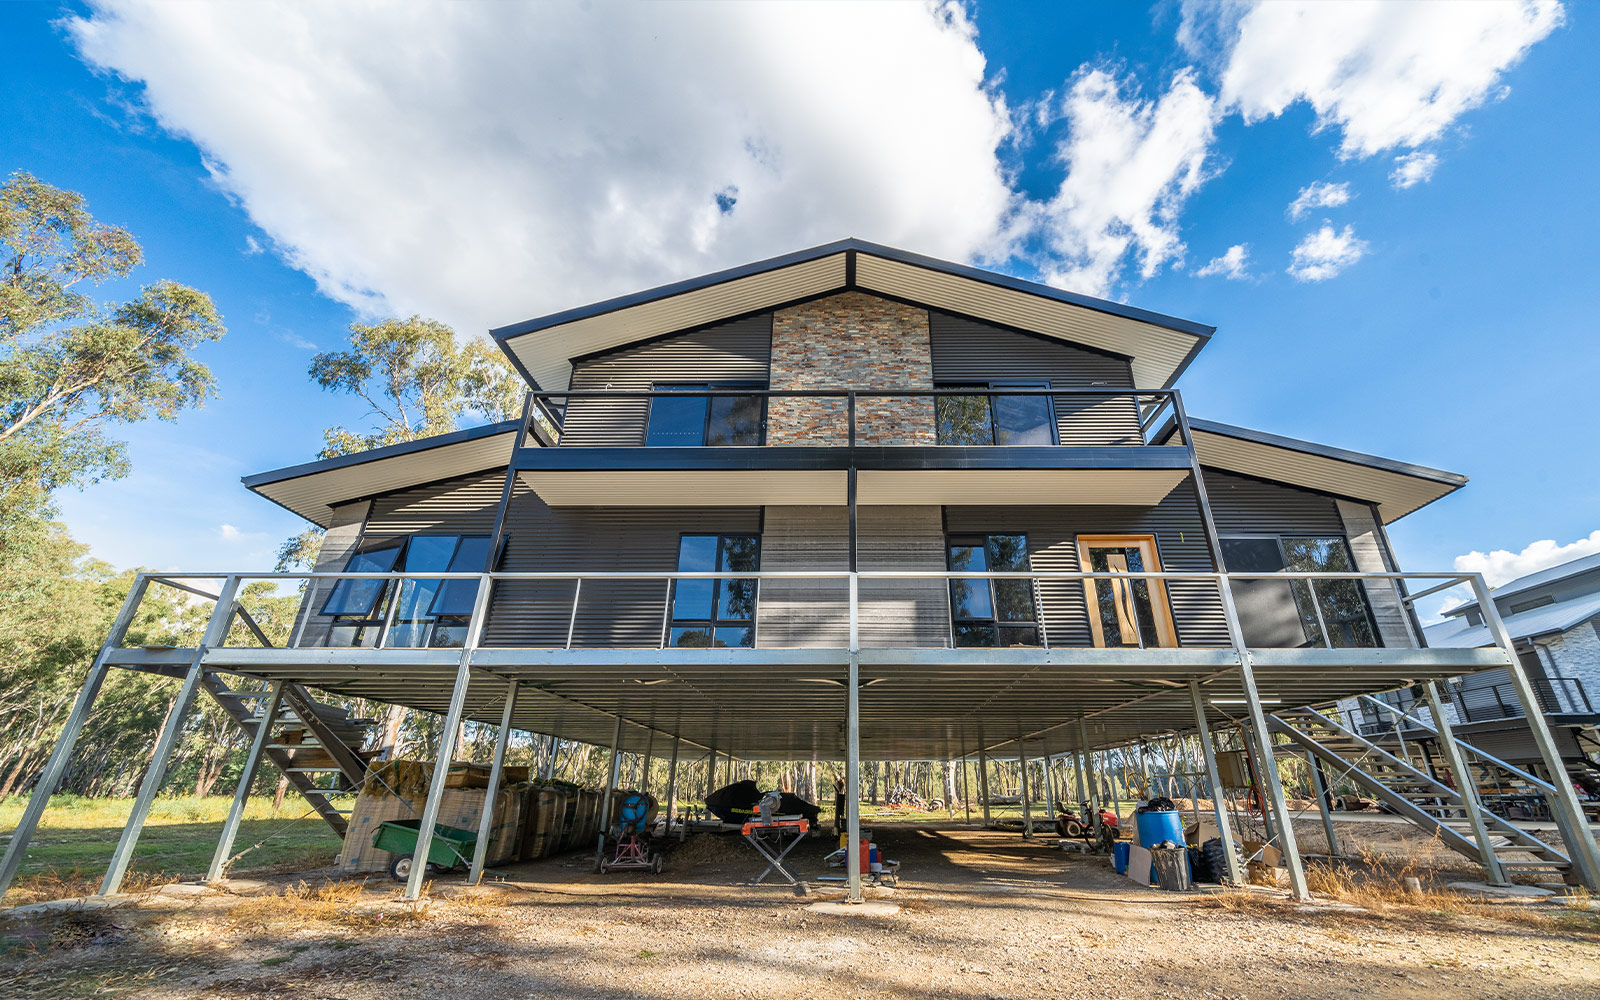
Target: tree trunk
(279, 792)
(394, 718)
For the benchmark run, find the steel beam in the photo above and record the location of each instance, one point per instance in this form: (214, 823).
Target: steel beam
(215, 634)
(480, 850)
(266, 718)
(1563, 800)
(1218, 806)
(56, 766)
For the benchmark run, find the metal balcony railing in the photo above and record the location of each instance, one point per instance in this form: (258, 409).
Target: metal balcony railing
(1556, 695)
(568, 610)
(970, 416)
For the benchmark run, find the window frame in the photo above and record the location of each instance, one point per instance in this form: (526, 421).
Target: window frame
(378, 617)
(1160, 603)
(1319, 642)
(989, 385)
(715, 622)
(705, 419)
(955, 538)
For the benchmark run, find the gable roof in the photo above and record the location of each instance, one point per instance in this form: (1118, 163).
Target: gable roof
(1160, 347)
(1398, 488)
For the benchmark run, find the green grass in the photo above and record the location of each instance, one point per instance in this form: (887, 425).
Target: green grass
(77, 835)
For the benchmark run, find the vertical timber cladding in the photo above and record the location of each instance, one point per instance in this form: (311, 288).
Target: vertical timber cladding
(1052, 547)
(616, 613)
(736, 351)
(852, 341)
(966, 350)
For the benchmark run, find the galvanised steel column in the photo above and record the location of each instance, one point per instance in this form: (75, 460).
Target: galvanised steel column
(649, 756)
(1319, 785)
(983, 779)
(1049, 790)
(447, 740)
(852, 768)
(266, 718)
(216, 634)
(1258, 720)
(1094, 784)
(611, 790)
(1466, 786)
(56, 766)
(1027, 808)
(1224, 830)
(672, 782)
(550, 759)
(711, 772)
(480, 850)
(1564, 804)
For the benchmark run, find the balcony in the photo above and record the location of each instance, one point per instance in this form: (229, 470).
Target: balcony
(946, 446)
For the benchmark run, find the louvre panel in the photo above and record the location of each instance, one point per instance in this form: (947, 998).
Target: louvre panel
(737, 351)
(965, 349)
(1052, 547)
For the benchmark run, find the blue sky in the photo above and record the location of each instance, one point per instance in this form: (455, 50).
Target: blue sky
(482, 164)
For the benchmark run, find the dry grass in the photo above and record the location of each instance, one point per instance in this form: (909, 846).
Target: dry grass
(75, 883)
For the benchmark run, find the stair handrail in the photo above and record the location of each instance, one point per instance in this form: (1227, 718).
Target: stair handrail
(1491, 758)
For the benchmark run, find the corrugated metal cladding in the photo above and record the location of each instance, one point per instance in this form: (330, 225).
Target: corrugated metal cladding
(1242, 506)
(815, 614)
(1052, 547)
(457, 506)
(595, 539)
(966, 350)
(736, 351)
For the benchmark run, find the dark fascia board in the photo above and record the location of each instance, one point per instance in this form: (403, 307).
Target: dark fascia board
(1198, 330)
(1451, 479)
(378, 454)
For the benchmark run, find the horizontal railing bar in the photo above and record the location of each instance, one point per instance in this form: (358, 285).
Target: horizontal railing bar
(845, 393)
(1419, 595)
(1513, 769)
(1181, 575)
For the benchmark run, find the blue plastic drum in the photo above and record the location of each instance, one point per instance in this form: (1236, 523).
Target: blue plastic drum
(1119, 856)
(1154, 827)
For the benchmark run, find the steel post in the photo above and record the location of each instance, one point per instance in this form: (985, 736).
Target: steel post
(1319, 785)
(480, 850)
(1466, 785)
(215, 634)
(1027, 808)
(550, 760)
(649, 758)
(1563, 800)
(1089, 776)
(266, 717)
(1224, 828)
(966, 795)
(1258, 719)
(611, 791)
(852, 767)
(1049, 791)
(983, 780)
(447, 742)
(56, 766)
(1252, 750)
(672, 783)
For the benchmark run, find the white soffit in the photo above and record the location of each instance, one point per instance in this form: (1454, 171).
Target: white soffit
(973, 487)
(1157, 353)
(314, 494)
(689, 488)
(547, 354)
(1396, 493)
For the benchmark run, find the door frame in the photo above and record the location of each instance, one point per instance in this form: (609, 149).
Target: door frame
(1166, 630)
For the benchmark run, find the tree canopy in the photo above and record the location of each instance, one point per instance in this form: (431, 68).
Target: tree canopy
(70, 366)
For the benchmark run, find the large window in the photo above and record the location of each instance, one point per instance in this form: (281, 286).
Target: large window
(713, 421)
(1293, 613)
(987, 612)
(715, 612)
(985, 419)
(423, 612)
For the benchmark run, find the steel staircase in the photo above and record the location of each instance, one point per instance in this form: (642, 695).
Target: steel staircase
(311, 739)
(1414, 794)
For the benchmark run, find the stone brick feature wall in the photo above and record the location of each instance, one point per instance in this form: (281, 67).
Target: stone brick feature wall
(845, 341)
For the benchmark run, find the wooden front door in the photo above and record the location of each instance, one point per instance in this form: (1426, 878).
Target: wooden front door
(1126, 612)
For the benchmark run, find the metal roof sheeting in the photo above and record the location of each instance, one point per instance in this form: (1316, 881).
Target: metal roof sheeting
(1572, 567)
(1540, 621)
(1160, 346)
(1397, 488)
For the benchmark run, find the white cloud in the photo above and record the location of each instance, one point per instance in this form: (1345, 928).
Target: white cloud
(252, 246)
(228, 532)
(1233, 265)
(1413, 168)
(1386, 75)
(295, 340)
(1131, 165)
(1320, 194)
(1502, 566)
(485, 163)
(1325, 253)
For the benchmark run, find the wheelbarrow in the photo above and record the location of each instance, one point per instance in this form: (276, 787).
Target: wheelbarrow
(450, 847)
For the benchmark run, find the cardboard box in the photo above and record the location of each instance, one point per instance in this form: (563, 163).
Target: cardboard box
(1265, 853)
(1196, 834)
(1233, 767)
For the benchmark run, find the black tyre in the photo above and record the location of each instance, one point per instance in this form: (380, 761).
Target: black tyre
(400, 867)
(655, 864)
(1072, 828)
(1213, 865)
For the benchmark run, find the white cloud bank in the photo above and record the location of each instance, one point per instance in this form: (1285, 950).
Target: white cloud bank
(1318, 195)
(1413, 169)
(1233, 265)
(1325, 253)
(1501, 566)
(485, 163)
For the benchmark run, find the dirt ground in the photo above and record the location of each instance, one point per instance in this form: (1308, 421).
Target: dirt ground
(979, 914)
